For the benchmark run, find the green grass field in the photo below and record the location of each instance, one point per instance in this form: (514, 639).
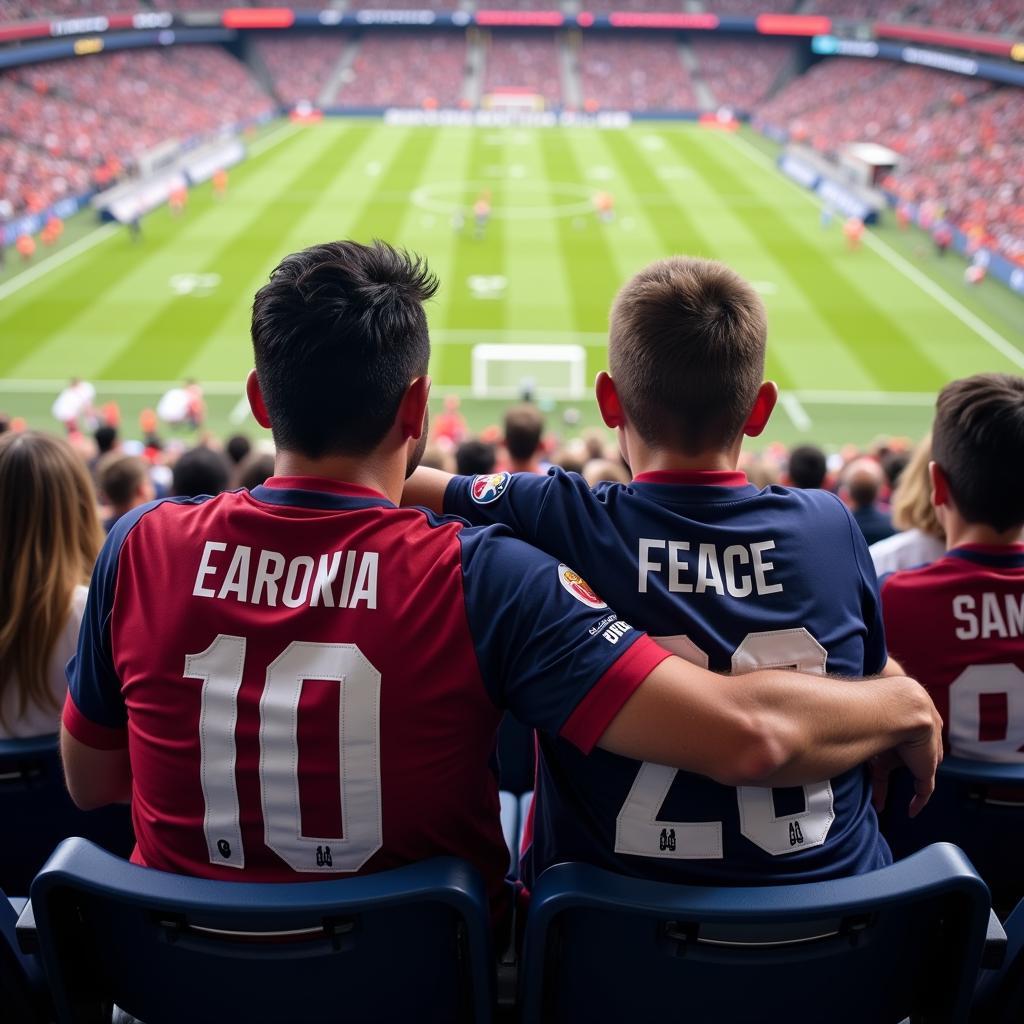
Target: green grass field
(859, 342)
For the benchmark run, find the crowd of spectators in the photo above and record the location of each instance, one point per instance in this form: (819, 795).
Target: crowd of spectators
(406, 68)
(300, 63)
(740, 72)
(71, 124)
(634, 73)
(960, 138)
(522, 62)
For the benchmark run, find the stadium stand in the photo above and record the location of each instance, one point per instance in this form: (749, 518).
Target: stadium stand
(526, 63)
(300, 64)
(741, 72)
(635, 73)
(406, 68)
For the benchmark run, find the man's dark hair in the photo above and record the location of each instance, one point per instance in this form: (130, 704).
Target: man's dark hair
(106, 438)
(473, 458)
(237, 447)
(119, 477)
(200, 471)
(339, 333)
(978, 440)
(524, 427)
(807, 466)
(686, 350)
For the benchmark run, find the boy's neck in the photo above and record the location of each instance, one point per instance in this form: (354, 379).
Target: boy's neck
(959, 533)
(643, 459)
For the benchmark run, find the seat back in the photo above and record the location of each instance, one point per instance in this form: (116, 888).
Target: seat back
(22, 992)
(977, 805)
(905, 941)
(37, 812)
(412, 943)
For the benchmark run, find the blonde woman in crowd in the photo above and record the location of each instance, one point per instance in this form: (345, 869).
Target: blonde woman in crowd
(50, 538)
(921, 540)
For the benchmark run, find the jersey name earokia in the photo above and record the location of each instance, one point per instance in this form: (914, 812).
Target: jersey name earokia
(740, 570)
(267, 577)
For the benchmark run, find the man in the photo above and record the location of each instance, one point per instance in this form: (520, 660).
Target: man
(719, 572)
(959, 622)
(524, 429)
(306, 680)
(123, 480)
(807, 467)
(862, 483)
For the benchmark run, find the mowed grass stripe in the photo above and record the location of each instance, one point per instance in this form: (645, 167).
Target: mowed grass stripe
(63, 321)
(877, 341)
(165, 344)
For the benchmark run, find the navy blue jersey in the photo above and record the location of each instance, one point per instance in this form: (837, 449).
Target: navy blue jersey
(730, 577)
(309, 679)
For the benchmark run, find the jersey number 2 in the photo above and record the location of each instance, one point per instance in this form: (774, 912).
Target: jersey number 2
(637, 828)
(220, 667)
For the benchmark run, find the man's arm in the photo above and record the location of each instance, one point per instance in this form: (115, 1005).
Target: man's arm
(426, 487)
(95, 777)
(776, 728)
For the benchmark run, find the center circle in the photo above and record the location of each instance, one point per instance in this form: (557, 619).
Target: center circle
(515, 199)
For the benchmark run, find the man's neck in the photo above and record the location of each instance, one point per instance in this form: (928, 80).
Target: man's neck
(959, 533)
(384, 475)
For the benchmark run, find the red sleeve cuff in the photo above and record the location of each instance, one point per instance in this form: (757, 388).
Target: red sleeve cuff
(100, 737)
(587, 724)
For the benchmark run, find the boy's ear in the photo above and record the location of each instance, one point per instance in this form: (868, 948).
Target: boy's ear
(767, 396)
(940, 485)
(255, 395)
(608, 401)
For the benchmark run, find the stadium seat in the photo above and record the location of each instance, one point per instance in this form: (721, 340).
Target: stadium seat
(22, 988)
(904, 941)
(510, 827)
(977, 805)
(516, 755)
(37, 812)
(1000, 997)
(412, 943)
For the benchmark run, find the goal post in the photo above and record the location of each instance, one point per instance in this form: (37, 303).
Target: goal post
(548, 371)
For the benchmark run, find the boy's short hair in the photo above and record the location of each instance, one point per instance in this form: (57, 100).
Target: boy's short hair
(978, 441)
(524, 427)
(686, 350)
(339, 332)
(119, 477)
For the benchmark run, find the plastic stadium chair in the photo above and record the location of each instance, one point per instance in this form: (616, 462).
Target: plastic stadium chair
(510, 827)
(516, 755)
(904, 941)
(978, 805)
(412, 943)
(22, 988)
(37, 813)
(1000, 997)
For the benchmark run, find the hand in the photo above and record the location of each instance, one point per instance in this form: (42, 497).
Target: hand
(922, 755)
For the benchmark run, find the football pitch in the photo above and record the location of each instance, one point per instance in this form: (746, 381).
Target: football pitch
(859, 341)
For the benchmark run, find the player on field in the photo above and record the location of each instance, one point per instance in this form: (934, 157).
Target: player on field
(721, 573)
(482, 213)
(959, 623)
(220, 183)
(306, 680)
(853, 232)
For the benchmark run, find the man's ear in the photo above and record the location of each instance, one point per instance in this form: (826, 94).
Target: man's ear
(940, 484)
(255, 395)
(764, 404)
(412, 413)
(608, 401)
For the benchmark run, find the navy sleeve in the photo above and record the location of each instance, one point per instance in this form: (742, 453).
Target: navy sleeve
(556, 512)
(545, 643)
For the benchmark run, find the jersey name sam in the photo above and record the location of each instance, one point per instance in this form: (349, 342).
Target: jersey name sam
(739, 570)
(1002, 615)
(337, 579)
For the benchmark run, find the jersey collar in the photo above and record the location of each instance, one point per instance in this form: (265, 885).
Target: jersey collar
(318, 492)
(1010, 556)
(688, 478)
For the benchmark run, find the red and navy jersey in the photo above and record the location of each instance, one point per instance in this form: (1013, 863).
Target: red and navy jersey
(957, 625)
(309, 680)
(730, 577)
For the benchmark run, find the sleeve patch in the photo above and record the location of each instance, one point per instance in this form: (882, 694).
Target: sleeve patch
(576, 585)
(489, 487)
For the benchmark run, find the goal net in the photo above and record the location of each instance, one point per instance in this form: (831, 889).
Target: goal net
(543, 371)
